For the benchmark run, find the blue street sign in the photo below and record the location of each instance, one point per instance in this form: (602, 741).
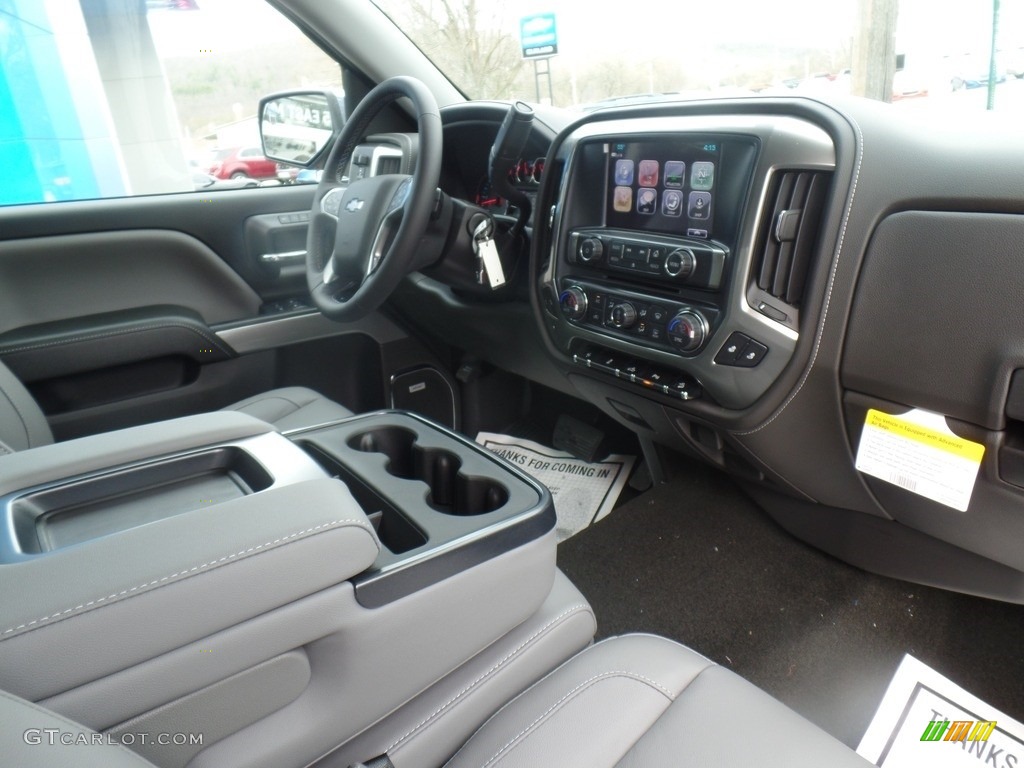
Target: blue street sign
(538, 35)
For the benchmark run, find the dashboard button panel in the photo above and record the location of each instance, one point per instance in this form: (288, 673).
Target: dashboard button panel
(643, 375)
(741, 351)
(672, 326)
(663, 259)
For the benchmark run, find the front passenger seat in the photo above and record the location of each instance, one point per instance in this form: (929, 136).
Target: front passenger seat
(23, 425)
(635, 700)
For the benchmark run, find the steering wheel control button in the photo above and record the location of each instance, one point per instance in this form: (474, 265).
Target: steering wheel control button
(680, 263)
(752, 354)
(573, 302)
(730, 351)
(688, 330)
(591, 250)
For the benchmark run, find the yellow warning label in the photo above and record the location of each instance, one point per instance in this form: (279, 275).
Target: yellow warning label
(943, 441)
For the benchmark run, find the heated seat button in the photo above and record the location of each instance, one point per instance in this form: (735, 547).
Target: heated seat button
(683, 387)
(752, 354)
(730, 351)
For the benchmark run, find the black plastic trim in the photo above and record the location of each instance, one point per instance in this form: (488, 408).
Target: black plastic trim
(454, 540)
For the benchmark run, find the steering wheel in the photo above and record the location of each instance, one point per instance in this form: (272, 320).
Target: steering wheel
(363, 237)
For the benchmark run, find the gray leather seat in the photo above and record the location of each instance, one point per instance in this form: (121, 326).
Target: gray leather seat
(23, 425)
(636, 700)
(640, 700)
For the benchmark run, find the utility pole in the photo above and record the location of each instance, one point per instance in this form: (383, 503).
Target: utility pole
(991, 100)
(874, 49)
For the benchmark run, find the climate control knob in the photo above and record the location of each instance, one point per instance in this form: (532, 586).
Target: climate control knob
(688, 330)
(573, 302)
(680, 263)
(590, 249)
(623, 315)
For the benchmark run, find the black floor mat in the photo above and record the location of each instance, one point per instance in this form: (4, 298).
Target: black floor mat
(697, 561)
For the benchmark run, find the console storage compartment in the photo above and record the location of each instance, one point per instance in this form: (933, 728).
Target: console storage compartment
(70, 513)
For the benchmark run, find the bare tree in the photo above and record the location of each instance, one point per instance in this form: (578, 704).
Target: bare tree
(466, 39)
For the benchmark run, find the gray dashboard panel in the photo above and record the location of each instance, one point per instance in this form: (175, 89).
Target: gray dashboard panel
(936, 322)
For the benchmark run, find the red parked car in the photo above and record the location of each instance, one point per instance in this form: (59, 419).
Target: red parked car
(239, 162)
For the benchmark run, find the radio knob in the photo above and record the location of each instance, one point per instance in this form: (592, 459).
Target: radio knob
(591, 249)
(573, 302)
(623, 315)
(680, 263)
(688, 330)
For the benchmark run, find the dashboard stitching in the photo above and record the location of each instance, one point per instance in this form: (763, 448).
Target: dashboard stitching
(177, 576)
(831, 283)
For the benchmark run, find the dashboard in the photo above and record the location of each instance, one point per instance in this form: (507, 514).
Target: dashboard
(746, 280)
(681, 248)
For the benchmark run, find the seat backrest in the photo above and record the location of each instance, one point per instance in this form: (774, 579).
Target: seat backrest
(22, 423)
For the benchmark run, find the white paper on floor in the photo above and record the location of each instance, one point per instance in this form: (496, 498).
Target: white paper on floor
(925, 719)
(584, 492)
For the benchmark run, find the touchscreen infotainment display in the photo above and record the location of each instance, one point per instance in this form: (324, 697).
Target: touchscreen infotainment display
(663, 185)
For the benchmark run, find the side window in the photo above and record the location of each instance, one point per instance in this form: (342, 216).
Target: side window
(111, 98)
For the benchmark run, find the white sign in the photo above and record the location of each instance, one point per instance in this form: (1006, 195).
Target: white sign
(927, 720)
(583, 492)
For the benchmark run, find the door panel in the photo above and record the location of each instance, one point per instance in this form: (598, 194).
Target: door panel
(113, 308)
(214, 221)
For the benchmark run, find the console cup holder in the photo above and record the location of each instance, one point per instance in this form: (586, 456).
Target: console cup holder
(451, 491)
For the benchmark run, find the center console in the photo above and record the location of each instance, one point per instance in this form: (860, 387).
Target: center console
(438, 503)
(678, 247)
(353, 575)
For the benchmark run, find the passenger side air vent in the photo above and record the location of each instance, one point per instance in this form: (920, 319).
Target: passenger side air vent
(388, 164)
(789, 234)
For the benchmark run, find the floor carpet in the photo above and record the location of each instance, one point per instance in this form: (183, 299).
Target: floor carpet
(697, 561)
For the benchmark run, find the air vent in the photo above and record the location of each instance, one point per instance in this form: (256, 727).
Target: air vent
(389, 164)
(789, 233)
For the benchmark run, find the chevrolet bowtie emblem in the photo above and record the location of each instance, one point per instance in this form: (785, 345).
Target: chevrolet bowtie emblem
(354, 205)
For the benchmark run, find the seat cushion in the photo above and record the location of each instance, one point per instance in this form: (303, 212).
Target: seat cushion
(640, 700)
(292, 408)
(22, 424)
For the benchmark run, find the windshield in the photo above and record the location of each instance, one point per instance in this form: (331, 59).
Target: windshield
(962, 54)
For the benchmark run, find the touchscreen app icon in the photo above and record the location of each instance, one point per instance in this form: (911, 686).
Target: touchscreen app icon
(702, 175)
(646, 200)
(622, 200)
(675, 173)
(672, 202)
(700, 205)
(624, 172)
(648, 175)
